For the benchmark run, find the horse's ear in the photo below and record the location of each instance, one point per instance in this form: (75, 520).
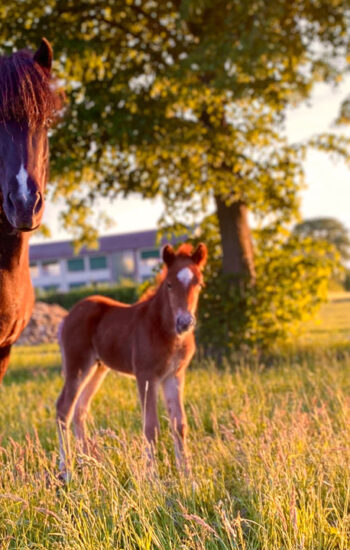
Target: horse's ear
(200, 255)
(44, 55)
(168, 255)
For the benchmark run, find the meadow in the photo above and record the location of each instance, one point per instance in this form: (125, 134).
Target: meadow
(269, 447)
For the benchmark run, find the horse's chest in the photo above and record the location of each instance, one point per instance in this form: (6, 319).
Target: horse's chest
(13, 319)
(174, 361)
(10, 329)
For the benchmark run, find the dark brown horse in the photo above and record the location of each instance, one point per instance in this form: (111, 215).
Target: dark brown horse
(152, 340)
(28, 104)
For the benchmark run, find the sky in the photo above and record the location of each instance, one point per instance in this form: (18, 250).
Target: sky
(328, 182)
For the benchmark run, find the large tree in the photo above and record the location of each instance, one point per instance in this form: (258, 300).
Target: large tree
(185, 99)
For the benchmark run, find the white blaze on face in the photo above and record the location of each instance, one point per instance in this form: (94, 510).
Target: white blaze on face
(22, 178)
(185, 276)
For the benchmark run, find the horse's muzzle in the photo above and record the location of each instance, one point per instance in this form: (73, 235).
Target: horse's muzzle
(24, 212)
(184, 322)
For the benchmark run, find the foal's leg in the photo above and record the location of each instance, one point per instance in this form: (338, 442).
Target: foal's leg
(74, 384)
(173, 394)
(4, 360)
(83, 404)
(148, 391)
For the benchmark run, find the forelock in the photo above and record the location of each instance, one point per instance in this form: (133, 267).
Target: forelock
(27, 92)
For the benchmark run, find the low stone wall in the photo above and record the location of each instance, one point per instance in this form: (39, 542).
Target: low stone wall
(43, 325)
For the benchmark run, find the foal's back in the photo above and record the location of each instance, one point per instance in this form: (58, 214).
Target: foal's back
(123, 337)
(97, 329)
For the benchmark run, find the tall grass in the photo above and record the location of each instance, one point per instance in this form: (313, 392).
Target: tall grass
(270, 459)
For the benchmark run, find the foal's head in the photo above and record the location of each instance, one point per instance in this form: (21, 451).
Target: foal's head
(28, 103)
(183, 282)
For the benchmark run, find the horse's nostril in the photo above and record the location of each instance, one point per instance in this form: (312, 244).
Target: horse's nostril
(10, 201)
(38, 202)
(184, 323)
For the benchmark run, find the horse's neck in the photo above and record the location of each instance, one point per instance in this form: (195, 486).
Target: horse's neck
(16, 290)
(14, 252)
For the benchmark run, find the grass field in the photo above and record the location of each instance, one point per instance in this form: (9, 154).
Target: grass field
(332, 325)
(269, 449)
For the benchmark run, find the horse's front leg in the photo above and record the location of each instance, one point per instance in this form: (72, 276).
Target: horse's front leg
(173, 395)
(148, 392)
(4, 360)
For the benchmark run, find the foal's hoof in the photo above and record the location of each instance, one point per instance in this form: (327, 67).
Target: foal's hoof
(184, 469)
(65, 477)
(51, 480)
(194, 486)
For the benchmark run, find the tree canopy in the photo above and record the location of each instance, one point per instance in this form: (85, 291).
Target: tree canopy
(182, 98)
(187, 99)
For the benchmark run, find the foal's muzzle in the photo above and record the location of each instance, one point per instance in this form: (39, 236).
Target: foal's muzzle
(24, 211)
(184, 321)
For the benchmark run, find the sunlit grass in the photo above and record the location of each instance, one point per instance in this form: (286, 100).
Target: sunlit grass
(269, 449)
(332, 325)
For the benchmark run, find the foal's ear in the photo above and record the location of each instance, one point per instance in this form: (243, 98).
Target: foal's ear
(168, 255)
(44, 55)
(200, 255)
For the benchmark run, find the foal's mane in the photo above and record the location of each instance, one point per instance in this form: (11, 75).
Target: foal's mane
(184, 251)
(27, 91)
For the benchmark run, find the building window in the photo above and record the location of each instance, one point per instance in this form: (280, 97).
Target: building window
(151, 253)
(34, 269)
(50, 267)
(150, 259)
(98, 262)
(76, 264)
(123, 264)
(128, 263)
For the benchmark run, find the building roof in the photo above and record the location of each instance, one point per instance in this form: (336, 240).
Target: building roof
(110, 243)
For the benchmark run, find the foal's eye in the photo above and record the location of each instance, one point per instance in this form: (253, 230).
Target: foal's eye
(169, 286)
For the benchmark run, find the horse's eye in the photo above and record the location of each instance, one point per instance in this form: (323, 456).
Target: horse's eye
(169, 286)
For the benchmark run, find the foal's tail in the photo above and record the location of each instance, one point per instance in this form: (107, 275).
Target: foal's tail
(60, 342)
(59, 332)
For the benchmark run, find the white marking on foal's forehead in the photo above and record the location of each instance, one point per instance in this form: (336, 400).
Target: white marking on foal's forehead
(185, 276)
(22, 178)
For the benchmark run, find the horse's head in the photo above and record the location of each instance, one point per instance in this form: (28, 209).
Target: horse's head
(28, 103)
(183, 282)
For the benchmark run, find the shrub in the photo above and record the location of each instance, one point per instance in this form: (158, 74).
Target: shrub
(347, 280)
(126, 292)
(292, 281)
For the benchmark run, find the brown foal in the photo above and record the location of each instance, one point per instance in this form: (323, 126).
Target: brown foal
(152, 340)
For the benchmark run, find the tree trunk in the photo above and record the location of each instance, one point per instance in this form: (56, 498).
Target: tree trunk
(237, 246)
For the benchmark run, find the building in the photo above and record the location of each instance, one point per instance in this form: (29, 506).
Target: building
(54, 266)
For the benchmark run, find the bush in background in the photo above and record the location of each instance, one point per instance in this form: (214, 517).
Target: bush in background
(293, 274)
(127, 292)
(347, 280)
